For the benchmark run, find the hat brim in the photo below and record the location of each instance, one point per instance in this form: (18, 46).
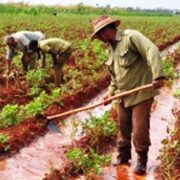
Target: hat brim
(94, 34)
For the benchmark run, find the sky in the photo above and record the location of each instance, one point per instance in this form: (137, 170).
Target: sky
(150, 4)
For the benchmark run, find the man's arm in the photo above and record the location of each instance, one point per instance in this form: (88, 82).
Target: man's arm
(24, 41)
(112, 87)
(150, 53)
(8, 65)
(111, 90)
(43, 64)
(54, 56)
(9, 56)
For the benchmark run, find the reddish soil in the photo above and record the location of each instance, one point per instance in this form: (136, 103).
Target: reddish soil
(22, 134)
(171, 42)
(12, 95)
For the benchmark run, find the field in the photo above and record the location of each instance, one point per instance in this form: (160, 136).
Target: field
(26, 100)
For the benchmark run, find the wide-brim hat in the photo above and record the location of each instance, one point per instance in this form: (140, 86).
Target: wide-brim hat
(102, 22)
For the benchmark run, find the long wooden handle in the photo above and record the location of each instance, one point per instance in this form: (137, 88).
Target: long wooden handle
(102, 102)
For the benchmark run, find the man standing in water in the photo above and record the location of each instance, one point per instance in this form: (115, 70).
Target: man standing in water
(133, 61)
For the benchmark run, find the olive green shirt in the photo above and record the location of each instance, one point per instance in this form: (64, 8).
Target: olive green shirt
(55, 44)
(133, 61)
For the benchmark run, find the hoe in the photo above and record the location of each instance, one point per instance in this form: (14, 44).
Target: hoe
(101, 103)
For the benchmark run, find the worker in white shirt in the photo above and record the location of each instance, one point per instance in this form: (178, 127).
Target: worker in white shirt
(19, 42)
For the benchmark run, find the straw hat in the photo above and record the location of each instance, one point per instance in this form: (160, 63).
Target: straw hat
(101, 22)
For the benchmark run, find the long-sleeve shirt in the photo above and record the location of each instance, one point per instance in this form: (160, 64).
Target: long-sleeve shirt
(133, 62)
(22, 39)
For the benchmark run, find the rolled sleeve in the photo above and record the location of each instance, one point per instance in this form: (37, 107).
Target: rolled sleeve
(112, 87)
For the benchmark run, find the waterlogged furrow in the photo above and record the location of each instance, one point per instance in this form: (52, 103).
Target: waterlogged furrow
(32, 162)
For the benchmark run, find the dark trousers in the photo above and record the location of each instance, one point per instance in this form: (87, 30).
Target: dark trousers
(134, 123)
(61, 60)
(29, 61)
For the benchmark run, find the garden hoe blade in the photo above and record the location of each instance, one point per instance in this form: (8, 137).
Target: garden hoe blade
(53, 127)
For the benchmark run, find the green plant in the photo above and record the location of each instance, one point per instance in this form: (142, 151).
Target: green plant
(34, 91)
(33, 108)
(17, 62)
(168, 67)
(8, 115)
(36, 77)
(87, 163)
(101, 56)
(98, 127)
(40, 103)
(170, 154)
(12, 114)
(176, 93)
(4, 139)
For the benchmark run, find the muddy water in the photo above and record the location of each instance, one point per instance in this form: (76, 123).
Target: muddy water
(32, 162)
(160, 117)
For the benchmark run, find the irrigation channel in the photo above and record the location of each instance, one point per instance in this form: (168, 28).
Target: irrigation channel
(32, 162)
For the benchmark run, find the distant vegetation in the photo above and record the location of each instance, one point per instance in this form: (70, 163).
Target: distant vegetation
(81, 8)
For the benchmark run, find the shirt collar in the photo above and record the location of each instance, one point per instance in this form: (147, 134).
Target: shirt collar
(118, 35)
(118, 38)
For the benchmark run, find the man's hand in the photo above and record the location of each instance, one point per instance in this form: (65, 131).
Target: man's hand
(158, 83)
(106, 97)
